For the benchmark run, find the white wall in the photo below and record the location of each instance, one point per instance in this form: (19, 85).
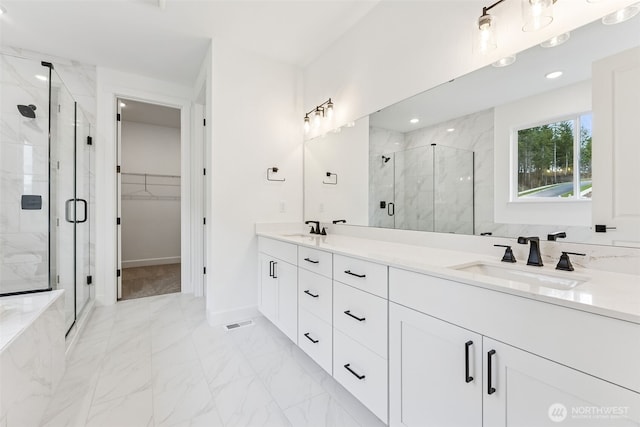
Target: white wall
(402, 48)
(111, 85)
(346, 154)
(255, 125)
(150, 228)
(540, 108)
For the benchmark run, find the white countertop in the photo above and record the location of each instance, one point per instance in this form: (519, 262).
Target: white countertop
(605, 293)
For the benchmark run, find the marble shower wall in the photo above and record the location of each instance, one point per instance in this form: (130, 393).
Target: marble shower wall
(25, 170)
(447, 207)
(24, 161)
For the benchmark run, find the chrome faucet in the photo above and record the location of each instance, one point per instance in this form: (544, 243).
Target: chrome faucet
(535, 258)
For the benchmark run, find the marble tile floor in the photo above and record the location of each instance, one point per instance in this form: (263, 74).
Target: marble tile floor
(157, 362)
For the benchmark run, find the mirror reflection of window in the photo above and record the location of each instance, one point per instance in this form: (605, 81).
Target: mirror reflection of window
(554, 159)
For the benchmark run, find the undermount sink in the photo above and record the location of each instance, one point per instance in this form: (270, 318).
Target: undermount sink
(300, 235)
(562, 281)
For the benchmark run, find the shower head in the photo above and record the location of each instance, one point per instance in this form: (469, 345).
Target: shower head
(385, 159)
(28, 111)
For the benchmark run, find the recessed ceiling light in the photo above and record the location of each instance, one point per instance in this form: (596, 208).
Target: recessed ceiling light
(507, 60)
(2, 10)
(553, 75)
(414, 121)
(41, 77)
(622, 15)
(122, 104)
(451, 129)
(556, 41)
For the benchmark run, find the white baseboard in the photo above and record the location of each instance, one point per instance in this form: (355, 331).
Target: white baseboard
(232, 316)
(150, 261)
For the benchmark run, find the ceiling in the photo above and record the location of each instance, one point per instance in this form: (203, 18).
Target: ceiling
(490, 86)
(167, 39)
(152, 114)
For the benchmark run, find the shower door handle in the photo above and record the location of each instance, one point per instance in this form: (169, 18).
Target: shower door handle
(67, 211)
(86, 209)
(391, 209)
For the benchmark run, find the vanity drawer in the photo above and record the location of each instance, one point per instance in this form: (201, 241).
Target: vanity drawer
(315, 339)
(314, 260)
(362, 372)
(365, 275)
(277, 249)
(315, 294)
(361, 316)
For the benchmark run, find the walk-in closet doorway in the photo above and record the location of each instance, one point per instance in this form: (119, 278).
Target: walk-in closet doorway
(149, 185)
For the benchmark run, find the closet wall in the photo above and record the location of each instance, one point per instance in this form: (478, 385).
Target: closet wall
(151, 218)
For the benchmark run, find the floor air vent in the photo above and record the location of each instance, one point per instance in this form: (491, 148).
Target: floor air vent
(238, 325)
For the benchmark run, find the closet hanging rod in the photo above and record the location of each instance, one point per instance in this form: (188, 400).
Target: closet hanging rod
(154, 175)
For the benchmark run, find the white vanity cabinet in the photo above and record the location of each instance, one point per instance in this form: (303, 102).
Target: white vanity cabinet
(278, 285)
(435, 371)
(315, 296)
(526, 357)
(527, 390)
(360, 356)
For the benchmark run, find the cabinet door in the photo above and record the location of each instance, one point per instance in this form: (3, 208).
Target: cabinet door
(268, 288)
(528, 390)
(287, 306)
(430, 384)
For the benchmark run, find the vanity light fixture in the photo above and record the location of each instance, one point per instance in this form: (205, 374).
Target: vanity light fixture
(486, 40)
(414, 121)
(536, 14)
(621, 15)
(504, 62)
(553, 75)
(556, 41)
(323, 110)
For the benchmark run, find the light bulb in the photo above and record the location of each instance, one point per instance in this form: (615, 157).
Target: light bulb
(307, 125)
(536, 14)
(316, 118)
(487, 33)
(329, 110)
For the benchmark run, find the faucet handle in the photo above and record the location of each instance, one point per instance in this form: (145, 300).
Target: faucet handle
(565, 263)
(508, 253)
(312, 231)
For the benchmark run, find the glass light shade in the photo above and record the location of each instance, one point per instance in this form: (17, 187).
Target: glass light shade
(536, 14)
(329, 110)
(307, 125)
(622, 15)
(316, 117)
(556, 41)
(504, 62)
(486, 37)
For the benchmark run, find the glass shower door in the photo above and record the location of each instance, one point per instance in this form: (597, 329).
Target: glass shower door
(62, 194)
(83, 207)
(453, 191)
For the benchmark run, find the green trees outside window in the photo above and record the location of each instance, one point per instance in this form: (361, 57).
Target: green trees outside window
(548, 155)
